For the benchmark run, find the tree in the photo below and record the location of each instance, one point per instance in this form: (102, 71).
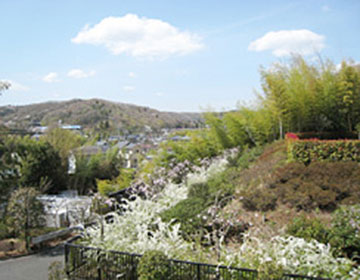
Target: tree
(311, 97)
(39, 160)
(99, 166)
(63, 141)
(349, 95)
(218, 130)
(4, 85)
(25, 211)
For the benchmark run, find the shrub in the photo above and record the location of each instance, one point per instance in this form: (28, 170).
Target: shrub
(291, 255)
(309, 228)
(248, 156)
(270, 270)
(345, 231)
(122, 181)
(307, 151)
(322, 185)
(153, 265)
(217, 187)
(259, 200)
(4, 231)
(56, 271)
(199, 190)
(330, 135)
(188, 213)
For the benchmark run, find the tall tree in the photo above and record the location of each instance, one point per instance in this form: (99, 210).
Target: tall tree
(25, 212)
(349, 95)
(33, 161)
(63, 141)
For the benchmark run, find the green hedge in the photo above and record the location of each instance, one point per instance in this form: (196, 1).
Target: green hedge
(307, 151)
(332, 135)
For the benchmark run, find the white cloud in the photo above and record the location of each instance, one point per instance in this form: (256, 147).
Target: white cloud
(132, 75)
(351, 63)
(17, 86)
(80, 74)
(139, 37)
(52, 77)
(286, 42)
(128, 88)
(159, 93)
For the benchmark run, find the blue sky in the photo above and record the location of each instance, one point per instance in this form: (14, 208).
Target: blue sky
(176, 55)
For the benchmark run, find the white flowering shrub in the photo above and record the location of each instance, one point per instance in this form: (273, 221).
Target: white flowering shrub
(206, 171)
(293, 255)
(140, 229)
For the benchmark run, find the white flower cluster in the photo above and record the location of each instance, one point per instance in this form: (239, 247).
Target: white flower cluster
(294, 255)
(202, 174)
(140, 228)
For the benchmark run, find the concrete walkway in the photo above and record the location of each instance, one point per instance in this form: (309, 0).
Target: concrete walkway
(33, 267)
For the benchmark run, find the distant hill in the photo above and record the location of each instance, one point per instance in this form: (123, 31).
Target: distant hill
(95, 114)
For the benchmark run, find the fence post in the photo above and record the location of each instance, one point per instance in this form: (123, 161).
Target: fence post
(99, 264)
(66, 248)
(133, 269)
(198, 272)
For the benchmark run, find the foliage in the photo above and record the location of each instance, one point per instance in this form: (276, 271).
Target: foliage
(345, 231)
(321, 185)
(270, 270)
(198, 147)
(153, 265)
(101, 204)
(30, 162)
(56, 271)
(292, 255)
(259, 200)
(4, 231)
(309, 228)
(4, 85)
(100, 115)
(139, 227)
(322, 135)
(25, 211)
(307, 151)
(311, 97)
(188, 213)
(63, 141)
(99, 166)
(246, 156)
(8, 174)
(202, 193)
(122, 181)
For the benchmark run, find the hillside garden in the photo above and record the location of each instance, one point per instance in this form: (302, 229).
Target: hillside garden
(238, 194)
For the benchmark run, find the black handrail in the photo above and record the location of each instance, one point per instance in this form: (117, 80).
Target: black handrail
(83, 262)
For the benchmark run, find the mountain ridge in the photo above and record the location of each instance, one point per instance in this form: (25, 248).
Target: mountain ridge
(96, 114)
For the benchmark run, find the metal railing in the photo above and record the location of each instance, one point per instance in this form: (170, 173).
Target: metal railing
(86, 263)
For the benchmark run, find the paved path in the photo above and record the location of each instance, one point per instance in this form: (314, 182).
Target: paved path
(34, 267)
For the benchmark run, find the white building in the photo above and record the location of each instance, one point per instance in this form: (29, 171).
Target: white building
(65, 210)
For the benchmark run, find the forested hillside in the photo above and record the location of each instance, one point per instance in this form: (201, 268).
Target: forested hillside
(95, 114)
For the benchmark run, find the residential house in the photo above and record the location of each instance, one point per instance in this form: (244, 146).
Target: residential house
(65, 209)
